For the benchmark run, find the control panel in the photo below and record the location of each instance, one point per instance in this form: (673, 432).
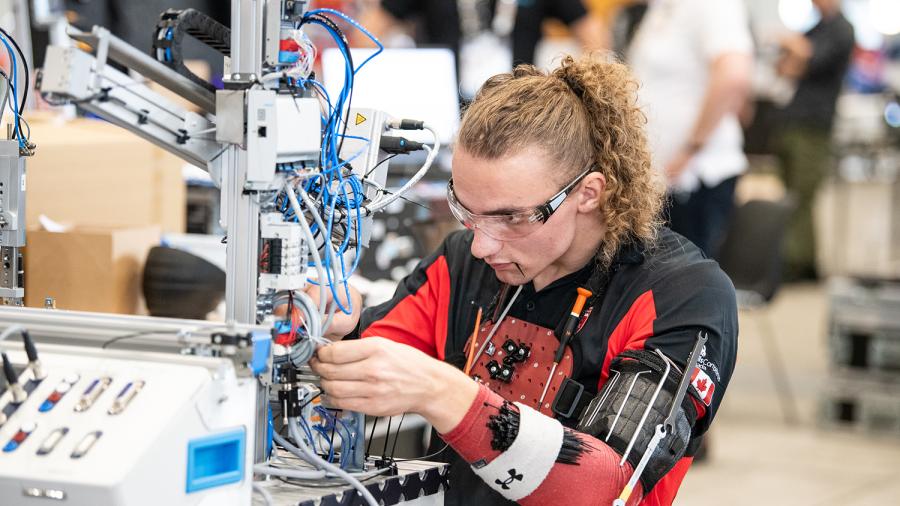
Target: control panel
(91, 426)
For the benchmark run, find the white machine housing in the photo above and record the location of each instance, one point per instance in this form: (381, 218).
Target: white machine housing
(185, 438)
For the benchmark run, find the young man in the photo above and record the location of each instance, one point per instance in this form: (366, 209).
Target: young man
(552, 177)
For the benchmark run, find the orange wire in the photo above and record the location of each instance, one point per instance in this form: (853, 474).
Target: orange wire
(471, 354)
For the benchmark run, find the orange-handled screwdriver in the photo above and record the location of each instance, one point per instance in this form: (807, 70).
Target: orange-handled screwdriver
(470, 355)
(568, 330)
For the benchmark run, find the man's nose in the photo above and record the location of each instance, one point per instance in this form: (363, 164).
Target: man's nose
(483, 245)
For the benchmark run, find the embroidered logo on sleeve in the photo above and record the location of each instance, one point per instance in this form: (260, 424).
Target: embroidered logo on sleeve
(513, 476)
(704, 385)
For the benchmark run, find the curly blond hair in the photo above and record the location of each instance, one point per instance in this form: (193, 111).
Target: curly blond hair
(582, 113)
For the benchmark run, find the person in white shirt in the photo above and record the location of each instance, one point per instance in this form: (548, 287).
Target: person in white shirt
(694, 60)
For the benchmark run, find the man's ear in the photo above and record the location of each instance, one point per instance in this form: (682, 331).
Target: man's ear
(593, 192)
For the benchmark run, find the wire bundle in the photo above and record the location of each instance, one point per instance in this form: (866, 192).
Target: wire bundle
(504, 426)
(333, 196)
(12, 80)
(329, 203)
(330, 425)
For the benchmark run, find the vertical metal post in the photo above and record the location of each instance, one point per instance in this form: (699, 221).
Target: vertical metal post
(241, 208)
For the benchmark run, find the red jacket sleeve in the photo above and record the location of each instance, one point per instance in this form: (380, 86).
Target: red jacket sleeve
(417, 313)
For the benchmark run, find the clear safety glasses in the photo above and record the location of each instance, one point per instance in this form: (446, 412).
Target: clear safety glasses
(513, 225)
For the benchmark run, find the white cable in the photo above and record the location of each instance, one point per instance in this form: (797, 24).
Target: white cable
(6, 95)
(332, 256)
(272, 76)
(317, 260)
(386, 200)
(321, 463)
(309, 306)
(296, 474)
(266, 495)
(362, 475)
(499, 321)
(311, 457)
(304, 302)
(307, 53)
(12, 329)
(302, 350)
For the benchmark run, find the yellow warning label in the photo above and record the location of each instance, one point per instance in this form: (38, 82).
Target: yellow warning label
(360, 118)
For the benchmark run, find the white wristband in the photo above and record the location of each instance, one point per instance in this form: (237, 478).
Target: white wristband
(521, 469)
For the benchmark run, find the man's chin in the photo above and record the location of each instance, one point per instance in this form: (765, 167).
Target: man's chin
(511, 277)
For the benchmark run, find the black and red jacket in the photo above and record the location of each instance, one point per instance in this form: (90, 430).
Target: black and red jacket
(656, 297)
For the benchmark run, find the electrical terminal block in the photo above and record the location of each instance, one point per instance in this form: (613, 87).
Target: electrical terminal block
(283, 254)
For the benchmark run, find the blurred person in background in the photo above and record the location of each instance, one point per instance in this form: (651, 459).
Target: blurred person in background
(818, 61)
(487, 36)
(694, 59)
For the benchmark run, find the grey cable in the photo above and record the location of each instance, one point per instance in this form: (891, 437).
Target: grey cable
(311, 457)
(329, 250)
(311, 318)
(5, 95)
(317, 259)
(385, 201)
(296, 474)
(499, 321)
(12, 329)
(266, 495)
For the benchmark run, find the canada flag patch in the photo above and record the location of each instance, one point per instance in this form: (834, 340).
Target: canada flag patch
(704, 385)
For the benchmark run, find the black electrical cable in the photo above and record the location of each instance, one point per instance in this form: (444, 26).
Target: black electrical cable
(334, 423)
(346, 45)
(387, 436)
(423, 206)
(310, 400)
(8, 370)
(371, 437)
(342, 40)
(397, 436)
(385, 159)
(425, 457)
(27, 74)
(126, 336)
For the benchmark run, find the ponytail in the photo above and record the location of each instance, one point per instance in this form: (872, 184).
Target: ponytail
(582, 113)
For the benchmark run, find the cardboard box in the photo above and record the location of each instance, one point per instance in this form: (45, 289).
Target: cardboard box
(91, 173)
(88, 269)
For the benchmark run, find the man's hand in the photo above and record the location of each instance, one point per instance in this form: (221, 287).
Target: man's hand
(342, 324)
(380, 377)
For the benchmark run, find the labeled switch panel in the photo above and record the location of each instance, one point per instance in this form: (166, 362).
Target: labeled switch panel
(108, 424)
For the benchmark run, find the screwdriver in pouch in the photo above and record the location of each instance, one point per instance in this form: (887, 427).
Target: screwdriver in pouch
(568, 330)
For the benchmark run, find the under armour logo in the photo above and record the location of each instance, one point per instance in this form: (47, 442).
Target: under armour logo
(512, 477)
